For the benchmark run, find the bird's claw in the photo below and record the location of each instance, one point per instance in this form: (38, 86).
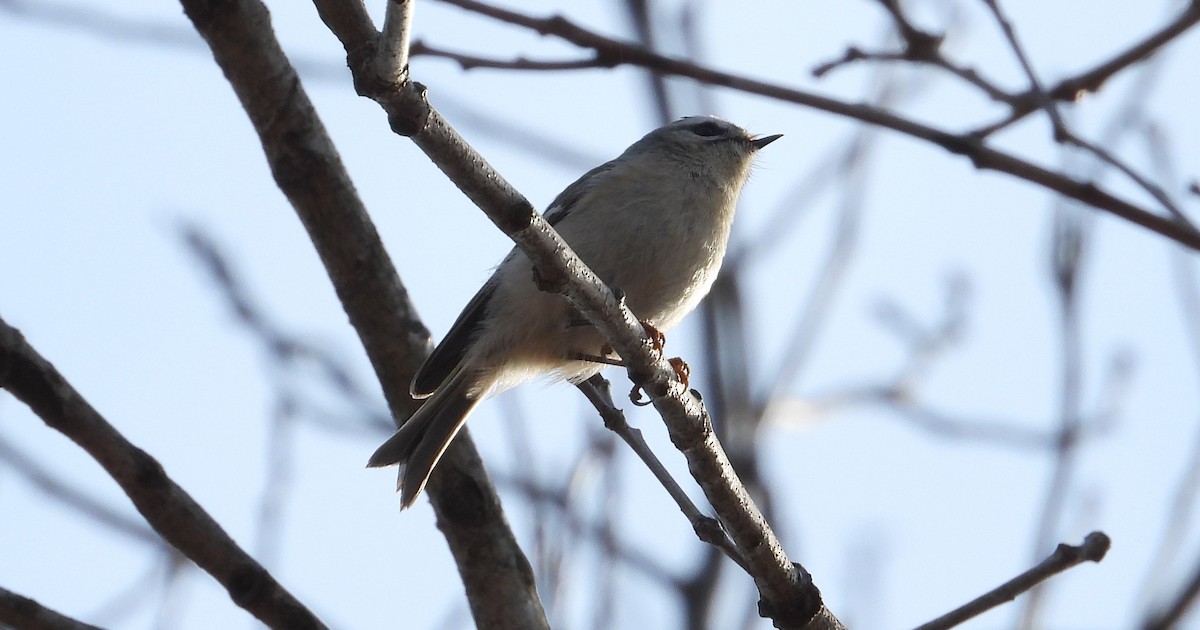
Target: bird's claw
(682, 371)
(657, 338)
(635, 397)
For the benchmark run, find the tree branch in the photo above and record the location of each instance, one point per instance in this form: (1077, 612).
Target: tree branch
(1095, 546)
(167, 507)
(707, 529)
(21, 612)
(969, 145)
(309, 171)
(789, 597)
(1072, 88)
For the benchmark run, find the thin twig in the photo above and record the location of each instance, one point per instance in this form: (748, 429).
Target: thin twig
(1095, 546)
(789, 596)
(1067, 252)
(471, 62)
(918, 47)
(1090, 81)
(1174, 611)
(1038, 93)
(708, 529)
(1143, 181)
(1179, 517)
(50, 486)
(397, 29)
(968, 145)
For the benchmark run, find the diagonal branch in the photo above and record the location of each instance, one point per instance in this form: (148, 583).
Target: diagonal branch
(788, 594)
(597, 391)
(1095, 546)
(969, 145)
(1072, 88)
(21, 612)
(167, 507)
(309, 171)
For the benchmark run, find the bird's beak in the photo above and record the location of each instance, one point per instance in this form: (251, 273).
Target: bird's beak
(764, 141)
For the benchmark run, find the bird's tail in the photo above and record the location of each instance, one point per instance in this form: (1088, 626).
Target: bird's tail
(419, 443)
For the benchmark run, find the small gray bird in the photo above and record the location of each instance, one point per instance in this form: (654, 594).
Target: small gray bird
(653, 223)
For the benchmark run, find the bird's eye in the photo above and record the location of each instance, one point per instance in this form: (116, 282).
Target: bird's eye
(707, 129)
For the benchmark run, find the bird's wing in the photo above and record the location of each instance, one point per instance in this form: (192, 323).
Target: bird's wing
(567, 199)
(449, 353)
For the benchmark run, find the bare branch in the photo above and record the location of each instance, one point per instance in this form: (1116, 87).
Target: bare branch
(79, 501)
(789, 597)
(970, 145)
(918, 47)
(707, 529)
(1072, 88)
(1040, 96)
(308, 170)
(169, 509)
(397, 29)
(855, 54)
(1095, 546)
(471, 62)
(21, 612)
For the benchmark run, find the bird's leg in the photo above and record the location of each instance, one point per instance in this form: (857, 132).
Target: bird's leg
(595, 358)
(657, 339)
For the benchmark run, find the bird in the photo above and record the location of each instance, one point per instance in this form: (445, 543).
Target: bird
(653, 223)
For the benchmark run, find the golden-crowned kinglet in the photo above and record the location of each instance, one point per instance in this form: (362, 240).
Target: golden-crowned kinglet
(653, 223)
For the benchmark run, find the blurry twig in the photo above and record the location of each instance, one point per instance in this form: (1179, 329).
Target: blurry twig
(1174, 610)
(1063, 134)
(602, 447)
(639, 14)
(820, 300)
(926, 344)
(295, 388)
(1179, 514)
(853, 171)
(952, 426)
(153, 588)
(111, 25)
(169, 509)
(135, 595)
(60, 490)
(1067, 249)
(1072, 88)
(289, 353)
(557, 498)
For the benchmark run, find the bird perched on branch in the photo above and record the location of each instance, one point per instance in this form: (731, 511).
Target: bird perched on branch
(653, 223)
